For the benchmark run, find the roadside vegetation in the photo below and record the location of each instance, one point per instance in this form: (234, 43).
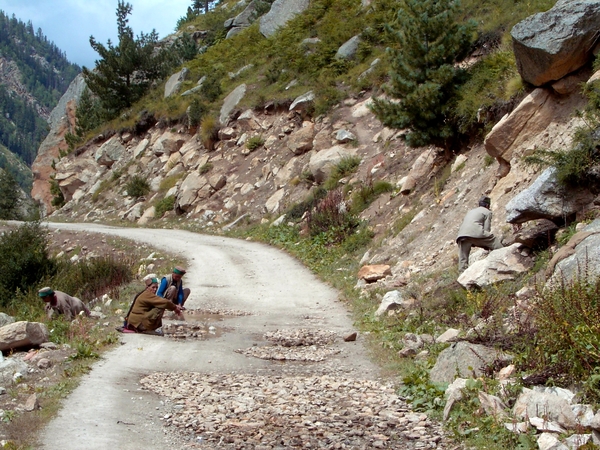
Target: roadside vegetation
(27, 264)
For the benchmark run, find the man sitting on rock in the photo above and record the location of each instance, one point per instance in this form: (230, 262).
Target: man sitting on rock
(58, 302)
(171, 287)
(147, 309)
(475, 232)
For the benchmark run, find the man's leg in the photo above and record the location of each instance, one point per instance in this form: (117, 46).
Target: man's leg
(464, 249)
(186, 294)
(489, 243)
(171, 294)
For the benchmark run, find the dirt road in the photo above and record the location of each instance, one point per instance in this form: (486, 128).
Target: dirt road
(109, 410)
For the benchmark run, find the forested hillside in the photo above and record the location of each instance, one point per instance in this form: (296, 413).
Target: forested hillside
(34, 74)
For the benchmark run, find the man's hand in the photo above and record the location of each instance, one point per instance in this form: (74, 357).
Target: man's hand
(178, 310)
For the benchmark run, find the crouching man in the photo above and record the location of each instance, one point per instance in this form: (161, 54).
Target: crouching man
(58, 302)
(146, 312)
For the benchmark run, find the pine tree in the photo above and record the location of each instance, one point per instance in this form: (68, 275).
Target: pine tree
(124, 72)
(424, 76)
(9, 196)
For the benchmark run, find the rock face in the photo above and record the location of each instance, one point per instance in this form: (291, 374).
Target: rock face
(21, 334)
(546, 199)
(280, 13)
(552, 44)
(62, 120)
(582, 257)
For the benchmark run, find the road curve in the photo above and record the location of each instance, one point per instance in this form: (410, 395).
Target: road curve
(109, 410)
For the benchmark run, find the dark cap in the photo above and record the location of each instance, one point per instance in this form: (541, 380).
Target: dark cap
(485, 201)
(179, 270)
(45, 292)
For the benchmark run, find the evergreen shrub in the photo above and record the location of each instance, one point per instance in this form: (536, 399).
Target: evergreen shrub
(137, 187)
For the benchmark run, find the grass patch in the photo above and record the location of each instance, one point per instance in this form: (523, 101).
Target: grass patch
(344, 168)
(164, 205)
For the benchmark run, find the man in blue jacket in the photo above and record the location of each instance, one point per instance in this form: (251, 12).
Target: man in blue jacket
(171, 287)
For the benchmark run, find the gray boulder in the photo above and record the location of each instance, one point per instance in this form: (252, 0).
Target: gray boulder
(554, 43)
(348, 49)
(22, 334)
(464, 360)
(5, 319)
(9, 367)
(230, 102)
(500, 265)
(174, 82)
(546, 199)
(110, 152)
(578, 257)
(280, 13)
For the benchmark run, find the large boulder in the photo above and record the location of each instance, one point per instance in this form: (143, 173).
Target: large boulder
(554, 43)
(230, 102)
(109, 152)
(581, 255)
(530, 117)
(174, 82)
(502, 264)
(464, 360)
(280, 13)
(189, 191)
(22, 334)
(546, 199)
(302, 140)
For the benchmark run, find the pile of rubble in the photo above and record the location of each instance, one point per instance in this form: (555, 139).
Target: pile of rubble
(250, 411)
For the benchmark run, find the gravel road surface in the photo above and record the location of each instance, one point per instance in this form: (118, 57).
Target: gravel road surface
(110, 408)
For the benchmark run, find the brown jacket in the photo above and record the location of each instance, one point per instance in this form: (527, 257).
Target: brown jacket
(147, 311)
(67, 305)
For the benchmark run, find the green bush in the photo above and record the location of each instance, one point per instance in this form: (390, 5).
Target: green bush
(567, 318)
(254, 142)
(58, 199)
(366, 194)
(137, 187)
(164, 205)
(345, 167)
(197, 110)
(24, 260)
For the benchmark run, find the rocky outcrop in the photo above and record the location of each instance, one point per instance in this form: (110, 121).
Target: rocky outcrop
(62, 120)
(546, 199)
(280, 13)
(579, 257)
(552, 44)
(175, 81)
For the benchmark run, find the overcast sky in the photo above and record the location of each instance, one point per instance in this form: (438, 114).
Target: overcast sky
(69, 23)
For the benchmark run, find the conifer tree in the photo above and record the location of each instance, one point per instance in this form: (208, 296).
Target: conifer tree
(9, 196)
(124, 71)
(424, 76)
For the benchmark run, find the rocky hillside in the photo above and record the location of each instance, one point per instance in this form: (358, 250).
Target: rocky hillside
(263, 161)
(34, 74)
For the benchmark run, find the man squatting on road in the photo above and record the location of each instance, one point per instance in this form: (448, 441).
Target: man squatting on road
(146, 311)
(171, 287)
(58, 302)
(475, 232)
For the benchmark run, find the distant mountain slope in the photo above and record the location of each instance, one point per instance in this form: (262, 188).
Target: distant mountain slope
(34, 74)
